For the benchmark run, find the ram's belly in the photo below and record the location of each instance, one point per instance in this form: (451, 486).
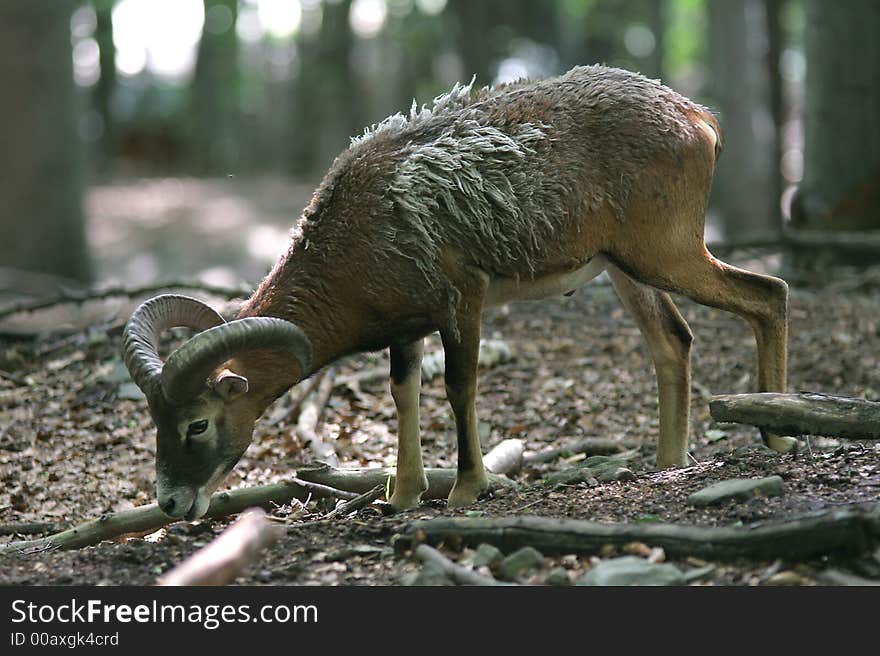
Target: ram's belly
(503, 290)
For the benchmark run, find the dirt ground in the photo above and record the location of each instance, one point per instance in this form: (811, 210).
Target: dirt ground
(71, 449)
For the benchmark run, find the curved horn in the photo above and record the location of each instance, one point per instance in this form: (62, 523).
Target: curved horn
(187, 369)
(141, 337)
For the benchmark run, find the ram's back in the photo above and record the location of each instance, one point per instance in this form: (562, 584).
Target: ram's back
(500, 174)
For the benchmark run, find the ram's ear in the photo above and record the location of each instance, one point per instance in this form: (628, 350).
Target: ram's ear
(230, 385)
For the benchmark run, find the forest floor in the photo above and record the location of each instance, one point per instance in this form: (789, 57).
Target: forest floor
(73, 447)
(72, 450)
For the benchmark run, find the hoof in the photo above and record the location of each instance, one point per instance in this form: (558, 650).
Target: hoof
(406, 497)
(673, 462)
(465, 494)
(405, 501)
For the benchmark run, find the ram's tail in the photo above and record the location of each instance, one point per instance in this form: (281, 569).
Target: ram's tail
(709, 119)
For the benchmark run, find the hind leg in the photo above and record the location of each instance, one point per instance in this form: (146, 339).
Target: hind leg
(669, 342)
(761, 300)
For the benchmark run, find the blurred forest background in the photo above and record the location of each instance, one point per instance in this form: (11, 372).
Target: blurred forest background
(149, 140)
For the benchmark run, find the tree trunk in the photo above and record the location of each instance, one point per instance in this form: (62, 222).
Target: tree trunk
(473, 20)
(41, 217)
(773, 20)
(215, 98)
(325, 113)
(103, 91)
(741, 192)
(657, 22)
(840, 190)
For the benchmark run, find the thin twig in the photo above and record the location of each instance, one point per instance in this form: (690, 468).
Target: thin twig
(357, 503)
(308, 423)
(297, 395)
(589, 446)
(13, 378)
(325, 490)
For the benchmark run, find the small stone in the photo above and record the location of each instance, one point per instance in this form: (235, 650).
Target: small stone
(569, 561)
(572, 477)
(129, 391)
(487, 555)
(519, 562)
(657, 555)
(739, 489)
(631, 570)
(557, 576)
(699, 572)
(788, 577)
(616, 474)
(607, 551)
(430, 574)
(636, 549)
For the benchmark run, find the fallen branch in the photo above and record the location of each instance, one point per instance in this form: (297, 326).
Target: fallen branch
(453, 571)
(75, 296)
(307, 425)
(360, 501)
(320, 481)
(27, 528)
(224, 558)
(149, 518)
(362, 480)
(591, 446)
(505, 458)
(849, 530)
(801, 414)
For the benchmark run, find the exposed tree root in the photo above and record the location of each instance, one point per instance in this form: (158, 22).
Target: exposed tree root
(848, 530)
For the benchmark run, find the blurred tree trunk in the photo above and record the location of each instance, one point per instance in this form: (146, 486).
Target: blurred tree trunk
(215, 87)
(590, 33)
(41, 214)
(325, 113)
(741, 190)
(473, 21)
(657, 23)
(773, 19)
(841, 184)
(103, 91)
(840, 190)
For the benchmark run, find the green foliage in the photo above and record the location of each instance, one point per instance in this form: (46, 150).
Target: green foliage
(685, 35)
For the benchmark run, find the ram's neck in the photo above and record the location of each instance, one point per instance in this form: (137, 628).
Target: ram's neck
(294, 291)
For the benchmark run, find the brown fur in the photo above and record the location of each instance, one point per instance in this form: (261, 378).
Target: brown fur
(499, 189)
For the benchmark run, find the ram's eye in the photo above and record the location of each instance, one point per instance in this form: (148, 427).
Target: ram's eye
(197, 428)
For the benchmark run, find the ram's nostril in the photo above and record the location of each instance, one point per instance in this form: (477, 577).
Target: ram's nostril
(168, 506)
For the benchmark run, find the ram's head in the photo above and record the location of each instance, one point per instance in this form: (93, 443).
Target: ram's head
(204, 412)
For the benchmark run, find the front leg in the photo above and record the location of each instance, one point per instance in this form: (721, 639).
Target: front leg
(462, 354)
(406, 379)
